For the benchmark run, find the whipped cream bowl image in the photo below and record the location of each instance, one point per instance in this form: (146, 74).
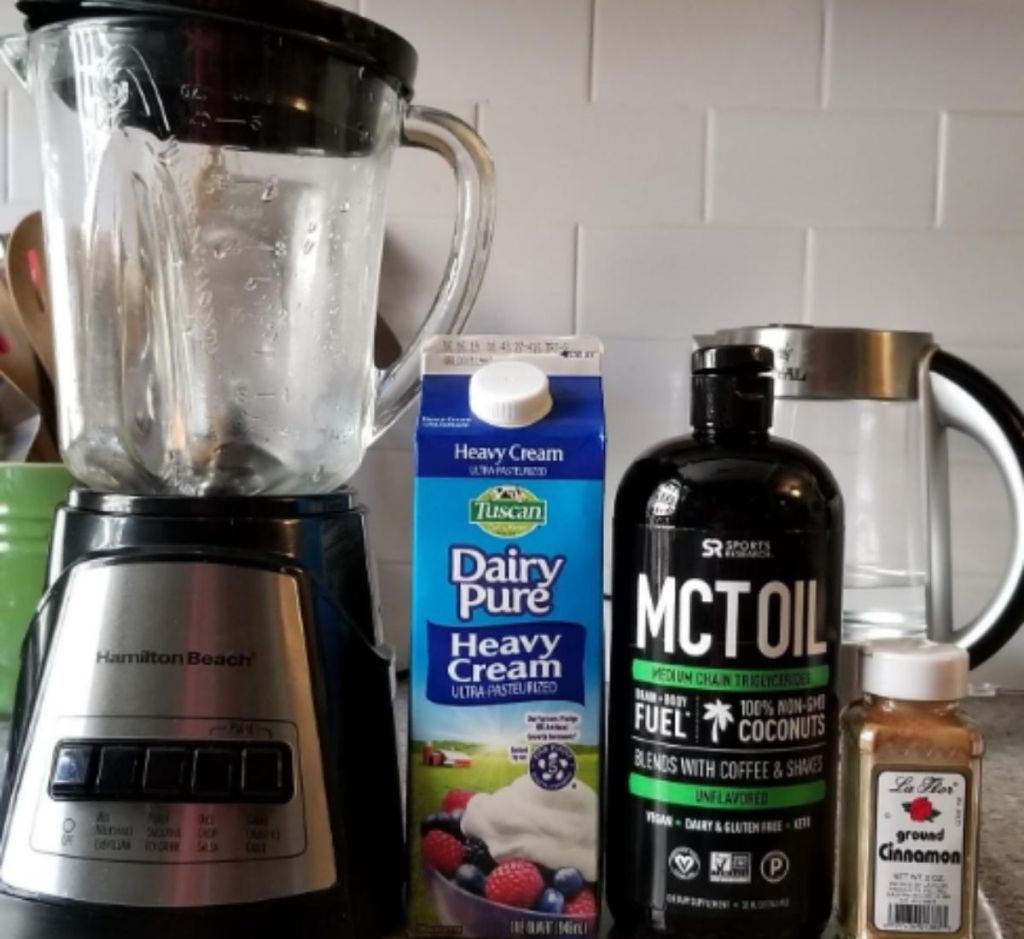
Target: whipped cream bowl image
(493, 861)
(555, 828)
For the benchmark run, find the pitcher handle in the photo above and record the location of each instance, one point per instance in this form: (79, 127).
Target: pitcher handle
(966, 400)
(467, 155)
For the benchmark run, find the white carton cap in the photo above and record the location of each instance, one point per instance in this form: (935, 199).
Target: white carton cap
(914, 670)
(509, 394)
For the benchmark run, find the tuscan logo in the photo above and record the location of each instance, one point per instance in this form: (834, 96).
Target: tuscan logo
(508, 511)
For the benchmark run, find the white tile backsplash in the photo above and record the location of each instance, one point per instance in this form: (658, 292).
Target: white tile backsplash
(667, 283)
(384, 483)
(709, 52)
(494, 49)
(531, 280)
(838, 127)
(421, 182)
(962, 287)
(416, 250)
(934, 54)
(610, 165)
(25, 167)
(393, 595)
(824, 168)
(984, 165)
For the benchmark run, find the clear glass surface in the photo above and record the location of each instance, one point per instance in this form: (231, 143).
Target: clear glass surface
(874, 449)
(214, 209)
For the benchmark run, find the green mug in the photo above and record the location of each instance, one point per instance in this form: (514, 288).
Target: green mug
(29, 495)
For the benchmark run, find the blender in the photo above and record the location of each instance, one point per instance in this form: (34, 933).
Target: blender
(203, 740)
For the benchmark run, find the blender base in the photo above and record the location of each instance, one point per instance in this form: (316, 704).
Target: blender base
(203, 737)
(316, 917)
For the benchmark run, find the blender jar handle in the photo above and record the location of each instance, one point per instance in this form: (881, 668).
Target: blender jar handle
(964, 399)
(467, 155)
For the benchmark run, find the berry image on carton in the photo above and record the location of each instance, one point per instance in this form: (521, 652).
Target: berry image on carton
(506, 685)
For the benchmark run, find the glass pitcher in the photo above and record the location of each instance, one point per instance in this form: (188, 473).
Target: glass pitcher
(876, 406)
(214, 211)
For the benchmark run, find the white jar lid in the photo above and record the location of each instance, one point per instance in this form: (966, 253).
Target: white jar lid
(509, 394)
(914, 670)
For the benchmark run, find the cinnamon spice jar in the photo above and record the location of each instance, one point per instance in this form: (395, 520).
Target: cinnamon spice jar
(910, 796)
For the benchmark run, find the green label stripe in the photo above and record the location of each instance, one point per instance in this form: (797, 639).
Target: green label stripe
(726, 797)
(730, 679)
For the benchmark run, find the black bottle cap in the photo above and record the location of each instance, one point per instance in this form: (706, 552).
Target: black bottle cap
(732, 388)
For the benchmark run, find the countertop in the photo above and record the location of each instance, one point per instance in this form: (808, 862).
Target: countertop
(1001, 906)
(1001, 902)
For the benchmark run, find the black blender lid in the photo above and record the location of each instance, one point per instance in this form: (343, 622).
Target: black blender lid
(355, 37)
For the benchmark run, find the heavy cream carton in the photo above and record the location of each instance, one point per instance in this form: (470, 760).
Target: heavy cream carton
(506, 652)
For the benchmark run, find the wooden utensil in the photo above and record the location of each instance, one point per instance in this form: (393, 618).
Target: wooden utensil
(26, 277)
(20, 364)
(19, 422)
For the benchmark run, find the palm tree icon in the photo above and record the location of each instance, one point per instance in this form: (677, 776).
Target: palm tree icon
(720, 714)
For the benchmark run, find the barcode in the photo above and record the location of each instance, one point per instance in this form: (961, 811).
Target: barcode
(929, 917)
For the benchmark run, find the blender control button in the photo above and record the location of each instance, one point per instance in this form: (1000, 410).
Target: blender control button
(165, 772)
(71, 770)
(265, 774)
(215, 773)
(119, 771)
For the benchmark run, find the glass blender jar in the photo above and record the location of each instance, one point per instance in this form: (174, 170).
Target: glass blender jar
(206, 660)
(215, 177)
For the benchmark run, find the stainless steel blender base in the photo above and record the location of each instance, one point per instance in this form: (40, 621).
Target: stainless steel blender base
(203, 741)
(200, 663)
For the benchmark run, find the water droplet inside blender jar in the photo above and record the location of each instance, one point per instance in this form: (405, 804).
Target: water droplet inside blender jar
(251, 283)
(345, 207)
(280, 249)
(270, 190)
(308, 245)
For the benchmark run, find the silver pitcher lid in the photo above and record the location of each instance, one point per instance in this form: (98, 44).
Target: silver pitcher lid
(835, 363)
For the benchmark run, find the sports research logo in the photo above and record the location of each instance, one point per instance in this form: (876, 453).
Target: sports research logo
(508, 511)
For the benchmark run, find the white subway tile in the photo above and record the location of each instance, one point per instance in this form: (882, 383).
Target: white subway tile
(984, 168)
(415, 253)
(13, 212)
(927, 54)
(5, 94)
(961, 287)
(1005, 669)
(421, 182)
(612, 165)
(822, 168)
(394, 596)
(646, 398)
(725, 52)
(25, 169)
(384, 485)
(980, 519)
(11, 20)
(667, 283)
(530, 285)
(498, 50)
(400, 435)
